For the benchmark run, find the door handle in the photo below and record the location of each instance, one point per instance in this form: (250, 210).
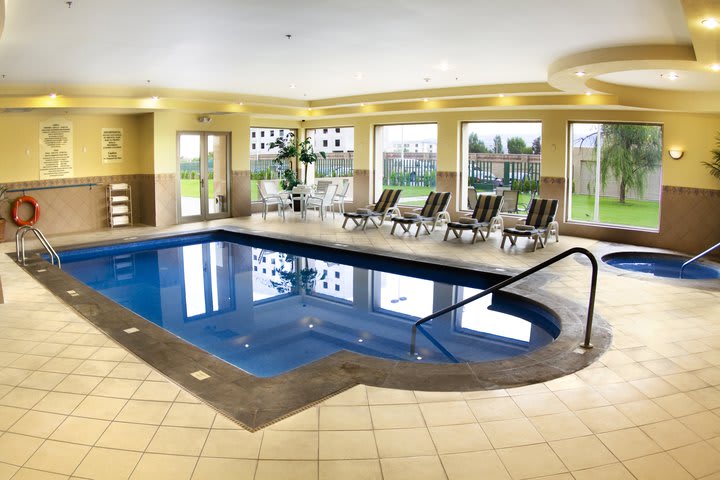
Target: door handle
(202, 182)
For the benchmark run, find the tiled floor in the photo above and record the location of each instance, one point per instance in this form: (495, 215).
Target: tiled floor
(75, 405)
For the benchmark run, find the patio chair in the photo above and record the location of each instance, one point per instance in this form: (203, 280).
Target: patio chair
(322, 201)
(510, 201)
(472, 198)
(485, 215)
(434, 211)
(271, 195)
(386, 207)
(322, 185)
(340, 195)
(538, 226)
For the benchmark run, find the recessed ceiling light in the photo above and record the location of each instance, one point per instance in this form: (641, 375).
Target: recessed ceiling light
(154, 98)
(502, 95)
(588, 93)
(292, 85)
(715, 67)
(425, 99)
(362, 104)
(309, 109)
(579, 73)
(444, 66)
(358, 76)
(53, 95)
(710, 23)
(672, 76)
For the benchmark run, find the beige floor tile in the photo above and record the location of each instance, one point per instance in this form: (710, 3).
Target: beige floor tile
(306, 420)
(582, 398)
(654, 387)
(61, 365)
(685, 382)
(13, 376)
(700, 459)
(660, 466)
(116, 387)
(80, 384)
(560, 426)
(565, 383)
(540, 404)
(37, 424)
(350, 470)
(679, 405)
(80, 430)
(289, 445)
(599, 376)
(583, 452)
(604, 419)
(531, 461)
(178, 440)
(412, 468)
(426, 397)
(472, 466)
(642, 412)
(111, 354)
(140, 411)
(57, 457)
(22, 397)
(102, 408)
(404, 442)
(190, 415)
(629, 443)
(396, 416)
(291, 470)
(16, 449)
(58, 402)
(78, 351)
(705, 424)
(127, 436)
(130, 371)
(389, 396)
(7, 471)
(615, 471)
(459, 438)
(186, 397)
(345, 417)
(356, 395)
(446, 413)
(224, 423)
(31, 474)
(347, 445)
(108, 464)
(98, 368)
(707, 397)
(217, 468)
(511, 433)
(670, 434)
(10, 415)
(153, 466)
(491, 409)
(158, 391)
(620, 393)
(233, 444)
(43, 380)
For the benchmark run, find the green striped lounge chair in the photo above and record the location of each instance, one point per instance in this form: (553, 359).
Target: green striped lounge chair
(434, 211)
(386, 207)
(538, 226)
(486, 215)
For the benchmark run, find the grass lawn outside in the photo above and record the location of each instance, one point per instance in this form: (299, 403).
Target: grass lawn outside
(634, 213)
(191, 188)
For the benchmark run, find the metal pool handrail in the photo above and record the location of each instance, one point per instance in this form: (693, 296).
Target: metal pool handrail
(516, 278)
(20, 244)
(697, 257)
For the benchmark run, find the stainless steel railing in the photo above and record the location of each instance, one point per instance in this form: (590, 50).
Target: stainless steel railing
(697, 257)
(20, 244)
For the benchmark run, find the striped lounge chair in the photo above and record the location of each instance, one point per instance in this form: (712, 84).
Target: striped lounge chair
(485, 215)
(434, 211)
(386, 207)
(539, 224)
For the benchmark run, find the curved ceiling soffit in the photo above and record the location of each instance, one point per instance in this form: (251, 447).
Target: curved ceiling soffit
(563, 74)
(2, 17)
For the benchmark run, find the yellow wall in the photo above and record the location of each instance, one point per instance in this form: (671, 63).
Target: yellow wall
(20, 137)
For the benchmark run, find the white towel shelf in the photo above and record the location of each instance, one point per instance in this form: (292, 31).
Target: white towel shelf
(119, 204)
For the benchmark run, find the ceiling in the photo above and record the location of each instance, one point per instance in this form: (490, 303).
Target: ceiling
(348, 50)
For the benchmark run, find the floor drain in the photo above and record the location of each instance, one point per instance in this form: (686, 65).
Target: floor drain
(72, 293)
(131, 330)
(200, 375)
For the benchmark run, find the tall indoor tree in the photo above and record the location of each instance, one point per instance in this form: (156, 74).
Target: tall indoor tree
(714, 165)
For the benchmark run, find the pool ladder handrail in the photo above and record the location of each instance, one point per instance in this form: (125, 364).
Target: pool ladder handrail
(20, 244)
(697, 257)
(591, 302)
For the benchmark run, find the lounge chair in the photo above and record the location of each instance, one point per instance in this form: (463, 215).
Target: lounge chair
(323, 201)
(386, 207)
(340, 195)
(510, 200)
(472, 198)
(485, 215)
(539, 224)
(434, 211)
(271, 195)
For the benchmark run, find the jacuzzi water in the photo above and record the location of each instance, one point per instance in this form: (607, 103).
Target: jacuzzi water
(662, 265)
(269, 306)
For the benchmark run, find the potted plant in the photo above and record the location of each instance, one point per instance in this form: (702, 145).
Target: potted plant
(714, 166)
(289, 148)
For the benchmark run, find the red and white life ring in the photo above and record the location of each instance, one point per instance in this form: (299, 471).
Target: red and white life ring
(36, 211)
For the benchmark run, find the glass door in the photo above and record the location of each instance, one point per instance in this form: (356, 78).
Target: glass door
(204, 168)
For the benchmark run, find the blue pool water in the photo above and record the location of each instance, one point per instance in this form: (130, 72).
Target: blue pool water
(268, 306)
(661, 265)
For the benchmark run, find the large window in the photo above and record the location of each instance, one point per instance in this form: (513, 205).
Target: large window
(615, 171)
(503, 155)
(339, 147)
(407, 157)
(261, 158)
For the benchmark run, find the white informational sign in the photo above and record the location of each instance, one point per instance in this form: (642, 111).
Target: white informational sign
(56, 149)
(112, 145)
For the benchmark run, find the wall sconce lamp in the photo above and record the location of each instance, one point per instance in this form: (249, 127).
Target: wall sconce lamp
(676, 154)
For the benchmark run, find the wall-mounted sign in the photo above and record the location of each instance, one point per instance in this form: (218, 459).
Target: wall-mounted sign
(56, 148)
(112, 145)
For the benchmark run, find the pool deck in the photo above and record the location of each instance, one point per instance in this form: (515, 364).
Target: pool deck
(75, 404)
